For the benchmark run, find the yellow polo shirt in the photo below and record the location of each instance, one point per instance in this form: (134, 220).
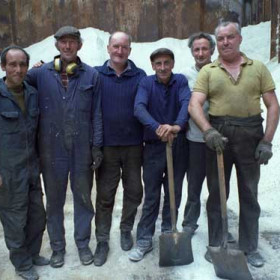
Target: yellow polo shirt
(240, 98)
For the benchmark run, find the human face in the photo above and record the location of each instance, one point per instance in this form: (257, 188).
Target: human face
(16, 67)
(68, 46)
(163, 66)
(119, 49)
(228, 42)
(201, 52)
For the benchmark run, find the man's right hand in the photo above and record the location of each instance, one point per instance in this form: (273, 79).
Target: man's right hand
(214, 140)
(38, 64)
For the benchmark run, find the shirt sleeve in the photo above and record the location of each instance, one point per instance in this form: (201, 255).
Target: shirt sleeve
(201, 84)
(97, 113)
(141, 106)
(184, 98)
(267, 83)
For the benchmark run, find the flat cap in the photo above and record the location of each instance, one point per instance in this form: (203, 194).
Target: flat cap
(67, 30)
(160, 52)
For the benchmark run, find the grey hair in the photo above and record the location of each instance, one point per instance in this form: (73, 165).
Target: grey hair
(226, 23)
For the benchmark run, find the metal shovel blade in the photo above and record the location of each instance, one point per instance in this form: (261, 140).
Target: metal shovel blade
(175, 249)
(229, 263)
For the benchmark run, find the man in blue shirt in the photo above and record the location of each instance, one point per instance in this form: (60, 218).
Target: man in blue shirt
(123, 145)
(161, 105)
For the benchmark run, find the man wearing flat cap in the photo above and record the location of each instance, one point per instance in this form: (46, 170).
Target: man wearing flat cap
(70, 137)
(161, 105)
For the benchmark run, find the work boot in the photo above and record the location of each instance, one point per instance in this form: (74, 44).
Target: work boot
(207, 256)
(138, 253)
(86, 256)
(255, 259)
(40, 261)
(29, 274)
(57, 259)
(101, 253)
(126, 240)
(230, 238)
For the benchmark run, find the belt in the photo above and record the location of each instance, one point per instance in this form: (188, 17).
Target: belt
(237, 121)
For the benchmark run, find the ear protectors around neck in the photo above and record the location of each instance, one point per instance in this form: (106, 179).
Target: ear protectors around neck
(70, 68)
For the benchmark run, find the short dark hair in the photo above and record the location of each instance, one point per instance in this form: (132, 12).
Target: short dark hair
(202, 35)
(160, 52)
(13, 47)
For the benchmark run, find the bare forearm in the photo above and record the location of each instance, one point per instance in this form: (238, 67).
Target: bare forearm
(197, 114)
(271, 122)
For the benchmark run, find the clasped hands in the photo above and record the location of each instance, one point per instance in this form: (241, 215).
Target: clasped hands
(167, 132)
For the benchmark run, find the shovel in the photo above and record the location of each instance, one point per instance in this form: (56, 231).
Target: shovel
(228, 263)
(175, 247)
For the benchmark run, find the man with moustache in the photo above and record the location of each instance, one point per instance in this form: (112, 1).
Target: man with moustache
(122, 145)
(22, 212)
(161, 105)
(233, 85)
(70, 137)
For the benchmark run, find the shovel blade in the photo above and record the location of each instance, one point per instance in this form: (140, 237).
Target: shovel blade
(175, 249)
(229, 263)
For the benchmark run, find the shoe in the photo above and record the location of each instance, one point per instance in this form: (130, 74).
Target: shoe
(101, 253)
(126, 240)
(29, 274)
(255, 259)
(57, 259)
(40, 261)
(189, 229)
(138, 253)
(86, 256)
(207, 256)
(230, 238)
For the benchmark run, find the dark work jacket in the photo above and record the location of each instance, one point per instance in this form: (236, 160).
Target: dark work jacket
(70, 120)
(121, 128)
(18, 154)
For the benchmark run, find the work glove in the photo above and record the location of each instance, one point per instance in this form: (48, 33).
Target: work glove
(263, 152)
(97, 157)
(214, 140)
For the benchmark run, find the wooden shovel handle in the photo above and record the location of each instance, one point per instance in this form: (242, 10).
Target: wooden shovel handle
(170, 173)
(223, 199)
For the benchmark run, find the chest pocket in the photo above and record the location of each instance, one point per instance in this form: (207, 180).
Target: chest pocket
(34, 115)
(84, 98)
(9, 122)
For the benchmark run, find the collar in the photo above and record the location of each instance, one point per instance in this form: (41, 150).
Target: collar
(127, 68)
(217, 62)
(171, 81)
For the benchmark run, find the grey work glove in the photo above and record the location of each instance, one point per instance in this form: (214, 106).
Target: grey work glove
(263, 152)
(214, 140)
(97, 157)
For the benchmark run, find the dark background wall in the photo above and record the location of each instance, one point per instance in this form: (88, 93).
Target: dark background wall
(25, 22)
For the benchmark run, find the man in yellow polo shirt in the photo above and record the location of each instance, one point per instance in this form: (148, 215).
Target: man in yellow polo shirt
(234, 85)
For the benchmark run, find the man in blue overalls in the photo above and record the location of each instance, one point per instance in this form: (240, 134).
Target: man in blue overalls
(22, 212)
(70, 137)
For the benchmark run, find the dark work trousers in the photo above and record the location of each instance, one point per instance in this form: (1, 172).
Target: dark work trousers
(154, 176)
(119, 162)
(23, 218)
(243, 136)
(196, 174)
(55, 176)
